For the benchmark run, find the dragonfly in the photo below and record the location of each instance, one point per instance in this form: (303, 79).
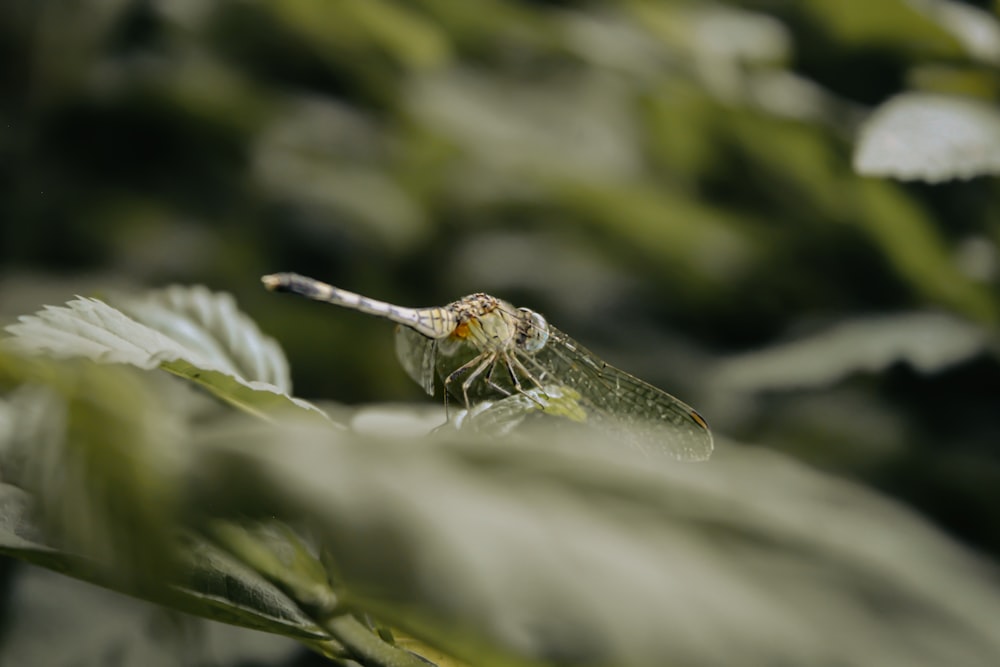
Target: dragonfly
(483, 347)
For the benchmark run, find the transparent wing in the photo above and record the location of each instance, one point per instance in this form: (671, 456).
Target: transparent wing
(501, 416)
(416, 353)
(652, 419)
(578, 386)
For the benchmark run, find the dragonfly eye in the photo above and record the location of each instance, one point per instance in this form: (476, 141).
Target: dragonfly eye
(534, 331)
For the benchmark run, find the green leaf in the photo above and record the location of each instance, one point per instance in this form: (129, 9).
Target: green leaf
(976, 29)
(514, 130)
(684, 236)
(930, 342)
(930, 137)
(909, 239)
(362, 28)
(98, 627)
(96, 449)
(281, 556)
(89, 488)
(99, 446)
(210, 324)
(189, 332)
(896, 24)
(538, 551)
(211, 584)
(217, 585)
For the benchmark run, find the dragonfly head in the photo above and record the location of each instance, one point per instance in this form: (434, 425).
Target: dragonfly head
(532, 330)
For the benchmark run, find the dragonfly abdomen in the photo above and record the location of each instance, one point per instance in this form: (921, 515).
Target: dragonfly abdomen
(430, 322)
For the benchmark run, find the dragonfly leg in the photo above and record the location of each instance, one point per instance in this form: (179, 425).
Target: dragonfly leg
(513, 365)
(482, 360)
(458, 371)
(491, 383)
(488, 358)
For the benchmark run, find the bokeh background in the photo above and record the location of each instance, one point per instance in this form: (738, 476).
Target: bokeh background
(671, 183)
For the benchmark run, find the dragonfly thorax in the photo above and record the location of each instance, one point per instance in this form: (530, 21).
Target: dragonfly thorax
(485, 322)
(488, 323)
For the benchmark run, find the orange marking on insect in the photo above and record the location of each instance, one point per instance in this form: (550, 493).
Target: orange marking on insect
(461, 331)
(698, 418)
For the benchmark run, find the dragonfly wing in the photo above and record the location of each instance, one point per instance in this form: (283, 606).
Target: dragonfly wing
(652, 419)
(416, 353)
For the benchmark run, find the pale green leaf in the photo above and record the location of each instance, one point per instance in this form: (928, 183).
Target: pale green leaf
(327, 158)
(929, 342)
(518, 131)
(97, 449)
(97, 628)
(976, 29)
(211, 584)
(930, 137)
(210, 324)
(518, 552)
(188, 331)
(89, 488)
(98, 446)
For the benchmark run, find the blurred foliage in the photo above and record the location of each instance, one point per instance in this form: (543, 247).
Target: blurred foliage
(542, 546)
(702, 192)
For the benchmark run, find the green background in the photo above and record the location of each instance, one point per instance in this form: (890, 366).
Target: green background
(670, 183)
